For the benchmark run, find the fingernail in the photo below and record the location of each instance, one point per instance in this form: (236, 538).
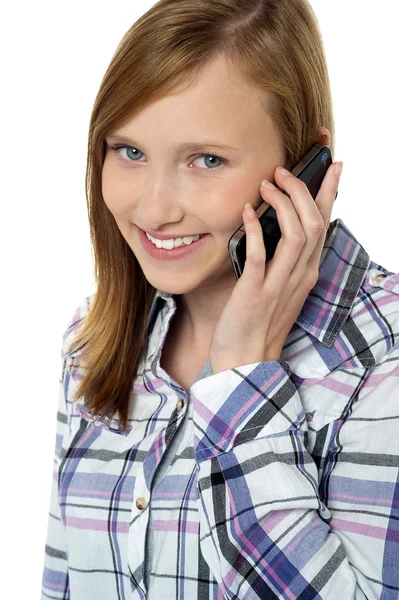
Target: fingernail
(338, 168)
(267, 184)
(283, 171)
(249, 209)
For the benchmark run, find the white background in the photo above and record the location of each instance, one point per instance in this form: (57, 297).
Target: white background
(53, 58)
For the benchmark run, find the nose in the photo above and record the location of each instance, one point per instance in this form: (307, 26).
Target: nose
(159, 203)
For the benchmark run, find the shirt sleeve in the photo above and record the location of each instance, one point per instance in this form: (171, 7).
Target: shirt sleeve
(264, 531)
(55, 578)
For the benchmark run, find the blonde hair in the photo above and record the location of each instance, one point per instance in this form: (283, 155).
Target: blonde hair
(275, 44)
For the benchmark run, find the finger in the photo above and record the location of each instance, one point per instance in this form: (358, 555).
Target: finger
(325, 203)
(314, 214)
(254, 268)
(308, 213)
(293, 237)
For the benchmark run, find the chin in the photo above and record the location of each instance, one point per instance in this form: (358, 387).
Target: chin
(181, 285)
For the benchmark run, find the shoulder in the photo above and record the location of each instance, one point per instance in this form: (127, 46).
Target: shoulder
(375, 312)
(352, 313)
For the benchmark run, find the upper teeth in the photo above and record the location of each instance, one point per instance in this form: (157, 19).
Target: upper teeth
(173, 243)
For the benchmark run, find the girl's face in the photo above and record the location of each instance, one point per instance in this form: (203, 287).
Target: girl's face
(159, 181)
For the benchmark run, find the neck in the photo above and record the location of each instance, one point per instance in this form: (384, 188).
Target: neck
(199, 311)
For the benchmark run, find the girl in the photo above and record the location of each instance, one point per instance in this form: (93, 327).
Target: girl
(223, 438)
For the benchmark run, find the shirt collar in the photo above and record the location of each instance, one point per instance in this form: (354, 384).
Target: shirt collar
(343, 266)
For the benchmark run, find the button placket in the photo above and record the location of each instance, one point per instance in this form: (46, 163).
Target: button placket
(138, 525)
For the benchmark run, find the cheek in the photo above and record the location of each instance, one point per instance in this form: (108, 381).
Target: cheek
(225, 212)
(116, 194)
(224, 219)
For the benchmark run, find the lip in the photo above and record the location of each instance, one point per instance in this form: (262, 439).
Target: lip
(175, 253)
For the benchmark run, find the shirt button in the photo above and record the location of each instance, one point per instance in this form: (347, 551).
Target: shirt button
(141, 503)
(378, 278)
(180, 404)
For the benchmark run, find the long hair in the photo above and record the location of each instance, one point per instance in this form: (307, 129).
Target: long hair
(275, 44)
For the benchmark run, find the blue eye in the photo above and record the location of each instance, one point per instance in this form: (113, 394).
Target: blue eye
(213, 157)
(122, 147)
(132, 154)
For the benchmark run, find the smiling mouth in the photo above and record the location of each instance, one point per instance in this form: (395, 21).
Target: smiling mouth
(172, 243)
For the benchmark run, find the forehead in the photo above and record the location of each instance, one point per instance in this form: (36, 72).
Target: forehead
(217, 101)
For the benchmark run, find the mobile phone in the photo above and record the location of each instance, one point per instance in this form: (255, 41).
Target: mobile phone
(311, 170)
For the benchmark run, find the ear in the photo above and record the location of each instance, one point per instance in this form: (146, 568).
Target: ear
(324, 136)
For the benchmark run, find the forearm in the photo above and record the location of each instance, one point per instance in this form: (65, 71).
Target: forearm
(263, 525)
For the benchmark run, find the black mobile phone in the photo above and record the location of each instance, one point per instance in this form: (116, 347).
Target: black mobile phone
(311, 169)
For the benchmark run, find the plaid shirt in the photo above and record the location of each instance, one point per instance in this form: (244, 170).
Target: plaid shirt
(276, 479)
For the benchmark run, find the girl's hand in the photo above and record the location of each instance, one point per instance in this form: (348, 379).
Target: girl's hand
(268, 297)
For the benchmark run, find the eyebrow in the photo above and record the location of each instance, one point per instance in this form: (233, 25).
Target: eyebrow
(185, 146)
